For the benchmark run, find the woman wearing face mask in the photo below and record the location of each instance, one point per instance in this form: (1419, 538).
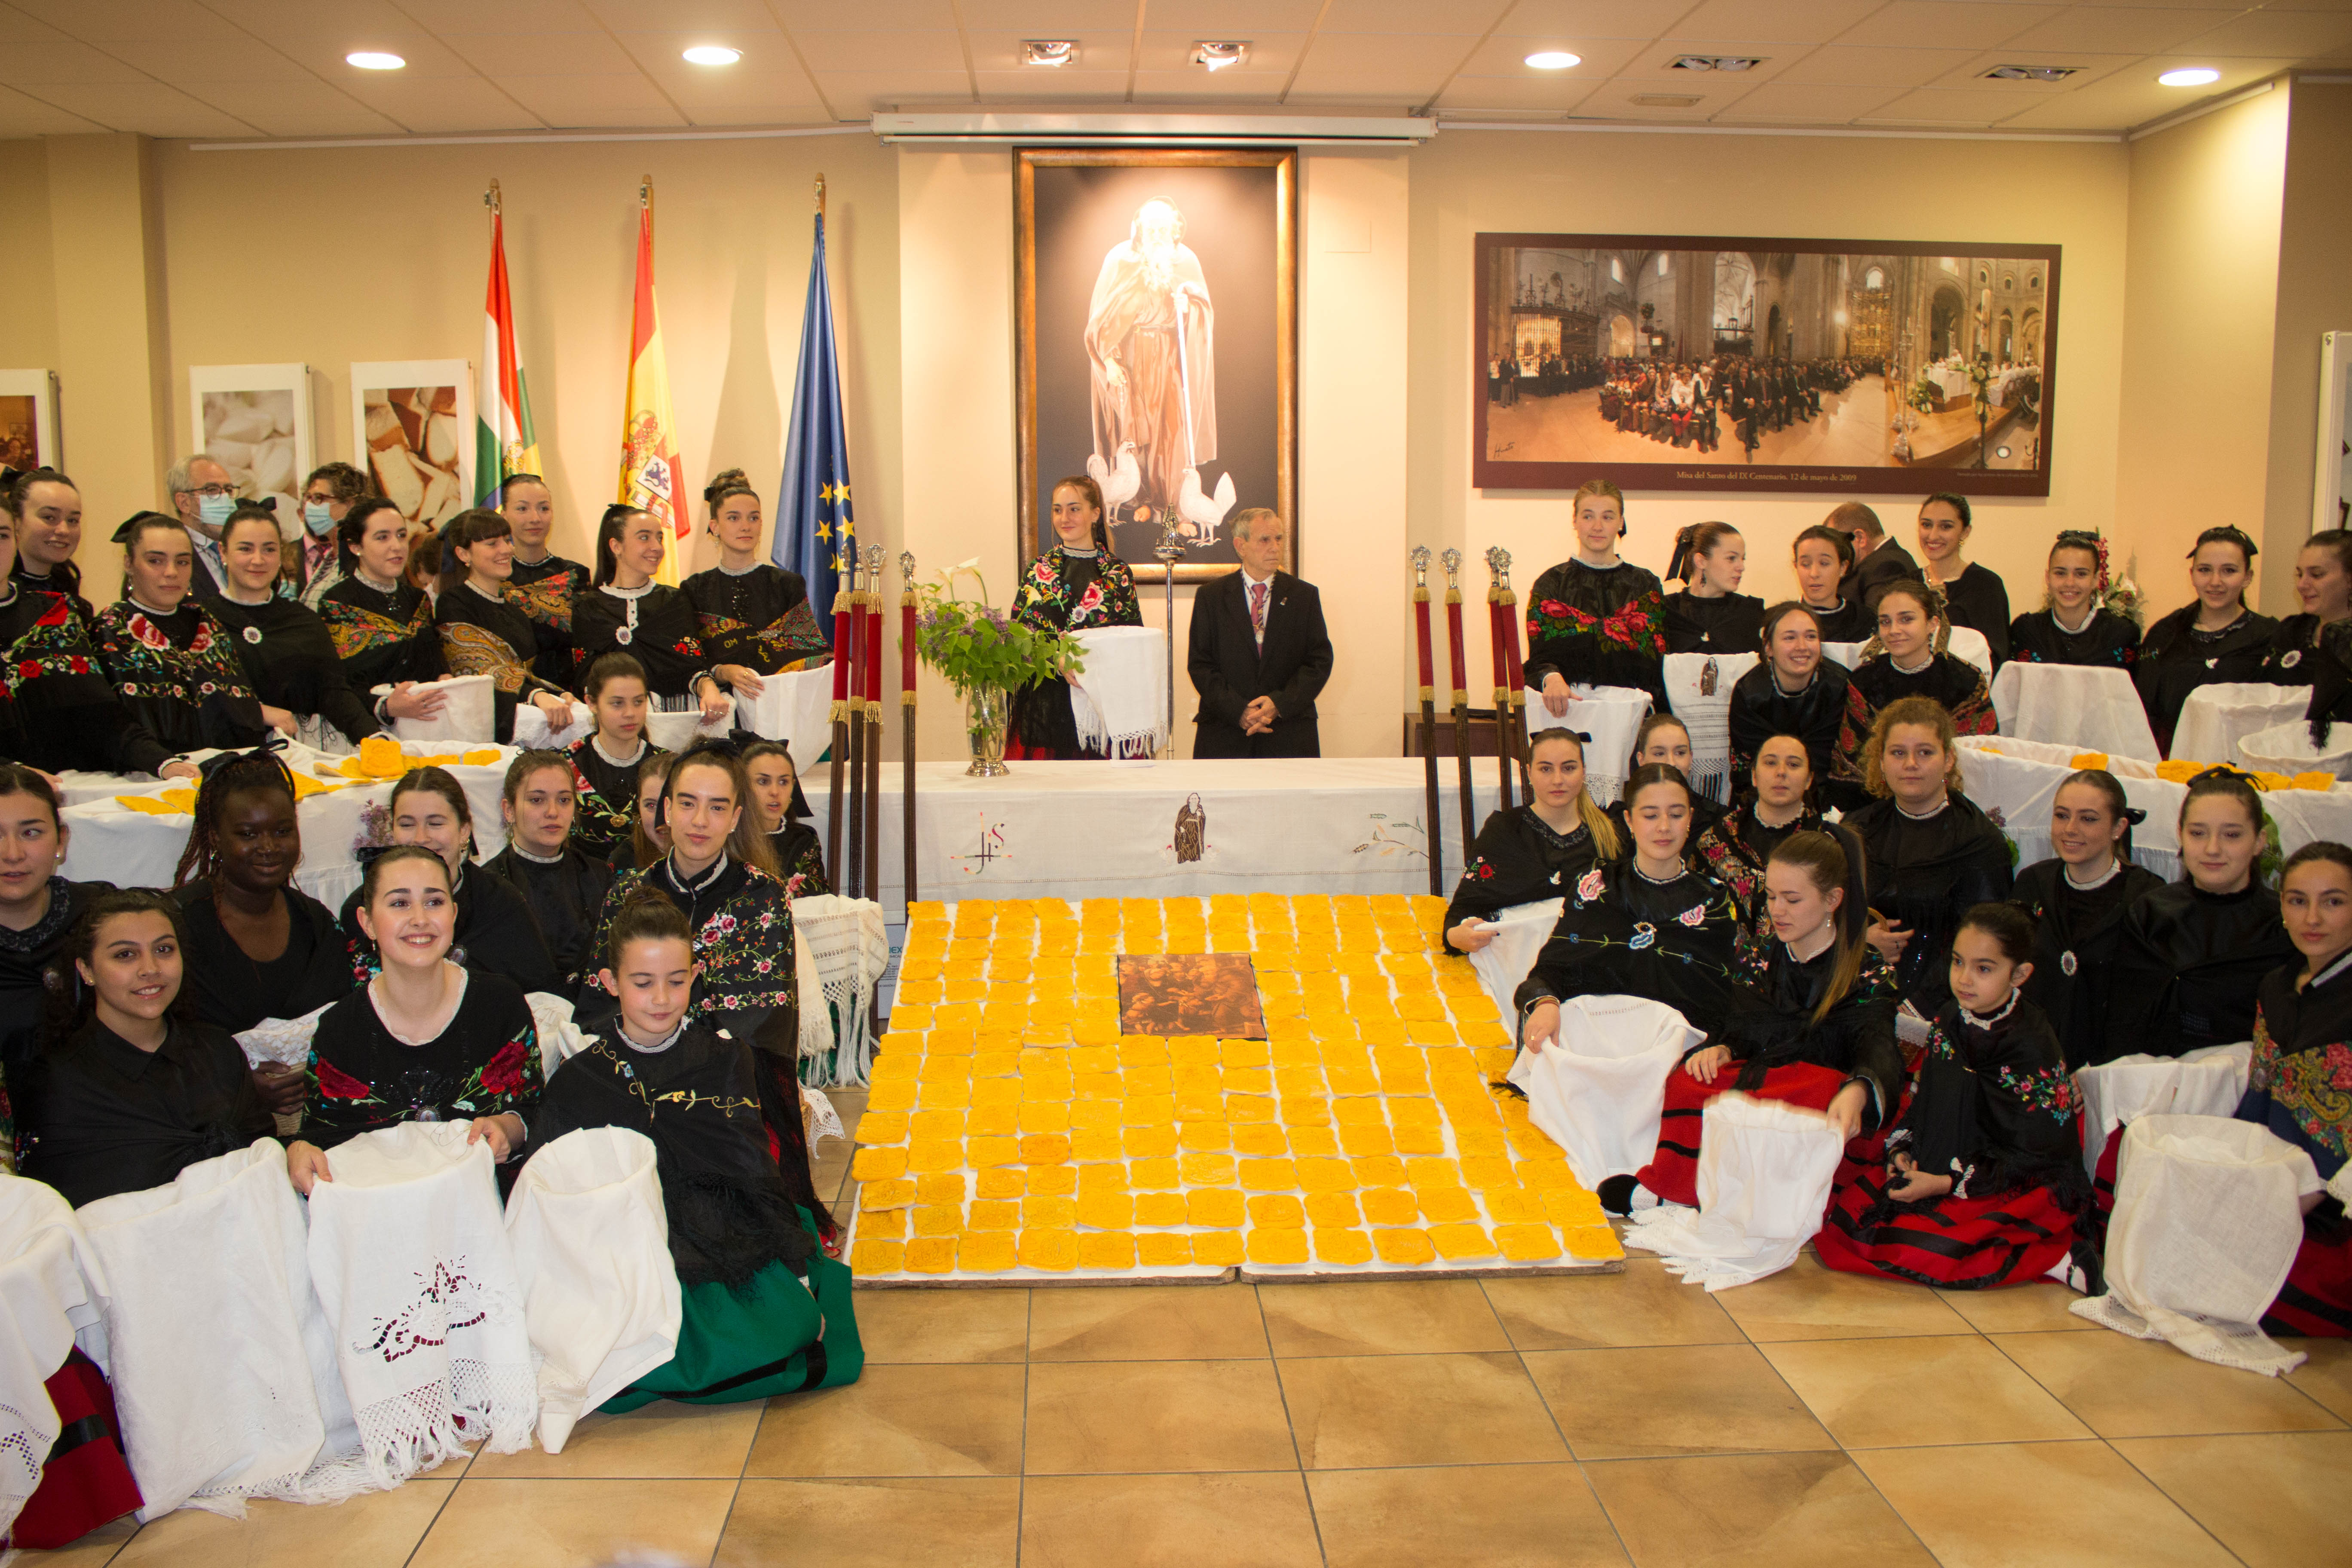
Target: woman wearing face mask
(171, 662)
(1907, 660)
(323, 557)
(2216, 639)
(287, 651)
(383, 628)
(543, 586)
(751, 610)
(784, 817)
(1075, 585)
(1735, 848)
(37, 906)
(1595, 619)
(1794, 691)
(1709, 614)
(1822, 558)
(628, 612)
(481, 632)
(2076, 900)
(46, 509)
(1973, 597)
(2074, 624)
(1539, 850)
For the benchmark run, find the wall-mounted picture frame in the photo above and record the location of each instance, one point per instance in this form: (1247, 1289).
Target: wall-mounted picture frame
(1156, 344)
(2331, 482)
(29, 420)
(260, 422)
(1699, 363)
(413, 425)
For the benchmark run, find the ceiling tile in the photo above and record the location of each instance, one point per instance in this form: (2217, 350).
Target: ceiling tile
(1776, 21)
(1601, 58)
(1381, 58)
(466, 18)
(1945, 24)
(1463, 18)
(1075, 84)
(65, 61)
(352, 24)
(869, 92)
(1838, 65)
(2135, 97)
(1614, 100)
(152, 20)
(149, 108)
(1271, 54)
(306, 108)
(575, 100)
(1592, 18)
(1816, 103)
(895, 16)
(699, 16)
(2297, 34)
(445, 105)
(768, 74)
(543, 54)
(1230, 18)
(1655, 66)
(428, 58)
(2088, 68)
(1944, 106)
(882, 52)
(2116, 29)
(22, 115)
(1194, 85)
(1099, 50)
(240, 60)
(1559, 94)
(1043, 19)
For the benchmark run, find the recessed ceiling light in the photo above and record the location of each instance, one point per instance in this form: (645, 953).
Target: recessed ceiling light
(2191, 76)
(1715, 62)
(1554, 59)
(712, 55)
(1664, 100)
(1216, 57)
(373, 60)
(1049, 51)
(2030, 73)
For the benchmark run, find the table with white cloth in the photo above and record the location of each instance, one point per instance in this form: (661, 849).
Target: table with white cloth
(2217, 717)
(1120, 701)
(1167, 829)
(1951, 380)
(2092, 708)
(2015, 780)
(2287, 748)
(1612, 716)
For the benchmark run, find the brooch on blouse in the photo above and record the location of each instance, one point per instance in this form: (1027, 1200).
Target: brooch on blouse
(253, 634)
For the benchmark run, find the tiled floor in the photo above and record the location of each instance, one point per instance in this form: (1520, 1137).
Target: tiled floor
(1814, 1419)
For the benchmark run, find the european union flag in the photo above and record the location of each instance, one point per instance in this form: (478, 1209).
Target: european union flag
(812, 520)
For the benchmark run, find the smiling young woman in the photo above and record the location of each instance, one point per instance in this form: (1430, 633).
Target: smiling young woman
(287, 651)
(2074, 626)
(1907, 660)
(169, 658)
(2076, 900)
(755, 615)
(2214, 638)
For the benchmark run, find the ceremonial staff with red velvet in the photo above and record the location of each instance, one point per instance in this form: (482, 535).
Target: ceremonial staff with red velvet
(873, 723)
(851, 874)
(1428, 715)
(1452, 560)
(845, 650)
(1502, 674)
(1514, 676)
(907, 707)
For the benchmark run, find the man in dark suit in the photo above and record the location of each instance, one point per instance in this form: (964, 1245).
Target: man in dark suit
(1878, 560)
(1258, 651)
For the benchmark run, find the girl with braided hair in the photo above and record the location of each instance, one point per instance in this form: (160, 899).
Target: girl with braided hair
(2074, 624)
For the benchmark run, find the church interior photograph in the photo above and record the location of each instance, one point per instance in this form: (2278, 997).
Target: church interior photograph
(616, 566)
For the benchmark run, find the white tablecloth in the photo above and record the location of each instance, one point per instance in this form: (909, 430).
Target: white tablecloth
(1121, 699)
(2287, 748)
(2217, 717)
(1953, 382)
(2089, 708)
(1611, 715)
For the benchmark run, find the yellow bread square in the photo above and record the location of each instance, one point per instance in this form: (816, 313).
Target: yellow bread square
(1106, 1211)
(1147, 1142)
(943, 1096)
(1364, 1141)
(996, 1094)
(1054, 1248)
(993, 1065)
(1093, 1031)
(1193, 1051)
(1314, 1141)
(1105, 1250)
(1476, 1140)
(1247, 1107)
(1268, 1176)
(1147, 1080)
(1092, 1058)
(938, 1219)
(944, 1069)
(1301, 1080)
(1200, 1108)
(879, 1165)
(1160, 1209)
(1152, 1170)
(1095, 1085)
(992, 1122)
(1423, 1033)
(1148, 1110)
(882, 1127)
(1456, 1242)
(1094, 1143)
(1051, 1181)
(1420, 1140)
(989, 1252)
(1389, 1032)
(1005, 1184)
(951, 1043)
(981, 1153)
(1409, 1110)
(1321, 1173)
(1044, 1088)
(1213, 1208)
(1108, 1177)
(1159, 1249)
(1276, 1211)
(883, 1224)
(1446, 1204)
(1197, 1081)
(1275, 1247)
(1379, 1171)
(1591, 1241)
(1264, 1139)
(933, 1126)
(1202, 1168)
(1346, 1079)
(1217, 1249)
(1526, 1243)
(1403, 1247)
(871, 1257)
(1244, 1053)
(894, 1069)
(992, 1214)
(940, 1189)
(1338, 1209)
(1247, 1080)
(1546, 1173)
(1432, 1171)
(1205, 1135)
(1388, 1206)
(1046, 1213)
(894, 1193)
(1342, 1246)
(1512, 1205)
(1572, 1207)
(890, 1096)
(1095, 1115)
(1418, 1007)
(1044, 1148)
(1488, 1171)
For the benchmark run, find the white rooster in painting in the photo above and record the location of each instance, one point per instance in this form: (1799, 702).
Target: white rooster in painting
(1204, 510)
(1119, 480)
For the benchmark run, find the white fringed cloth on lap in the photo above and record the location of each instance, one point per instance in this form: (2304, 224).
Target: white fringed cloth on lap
(222, 1367)
(1764, 1176)
(592, 1251)
(49, 1290)
(1599, 1090)
(410, 1258)
(840, 948)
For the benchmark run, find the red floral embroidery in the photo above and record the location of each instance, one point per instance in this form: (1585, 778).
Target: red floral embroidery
(336, 1084)
(2339, 1066)
(504, 1073)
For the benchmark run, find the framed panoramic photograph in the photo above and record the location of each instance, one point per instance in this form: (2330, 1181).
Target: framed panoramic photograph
(29, 420)
(1156, 306)
(258, 421)
(413, 421)
(1681, 363)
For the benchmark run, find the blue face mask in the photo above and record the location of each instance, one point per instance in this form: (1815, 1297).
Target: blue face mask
(215, 510)
(315, 518)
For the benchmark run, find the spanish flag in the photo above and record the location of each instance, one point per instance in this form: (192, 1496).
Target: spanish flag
(648, 431)
(503, 440)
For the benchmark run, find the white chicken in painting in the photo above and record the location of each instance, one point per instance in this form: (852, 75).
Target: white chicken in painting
(1204, 510)
(1119, 480)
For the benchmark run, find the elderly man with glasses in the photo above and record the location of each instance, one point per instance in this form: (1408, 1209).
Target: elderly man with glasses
(203, 496)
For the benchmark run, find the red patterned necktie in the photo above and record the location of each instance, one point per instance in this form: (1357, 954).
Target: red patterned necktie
(1257, 614)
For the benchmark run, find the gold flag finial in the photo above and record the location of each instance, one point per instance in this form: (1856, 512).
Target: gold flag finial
(645, 192)
(491, 198)
(820, 196)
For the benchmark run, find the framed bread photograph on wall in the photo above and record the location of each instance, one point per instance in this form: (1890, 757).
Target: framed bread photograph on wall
(413, 422)
(1155, 307)
(29, 420)
(259, 423)
(1684, 363)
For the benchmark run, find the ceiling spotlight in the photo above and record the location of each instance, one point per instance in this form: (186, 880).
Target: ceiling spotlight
(1217, 57)
(1554, 59)
(2030, 73)
(2191, 76)
(712, 55)
(1715, 62)
(373, 60)
(1049, 52)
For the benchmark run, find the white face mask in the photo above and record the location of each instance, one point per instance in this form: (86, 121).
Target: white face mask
(215, 510)
(317, 518)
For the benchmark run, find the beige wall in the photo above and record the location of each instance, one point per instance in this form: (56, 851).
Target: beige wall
(29, 304)
(2314, 296)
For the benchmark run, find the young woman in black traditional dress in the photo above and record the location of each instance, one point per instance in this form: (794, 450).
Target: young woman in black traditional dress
(1822, 558)
(1709, 614)
(1907, 658)
(1735, 848)
(37, 906)
(606, 762)
(563, 885)
(751, 610)
(647, 839)
(1933, 855)
(1647, 925)
(1539, 850)
(426, 1039)
(784, 817)
(383, 628)
(2217, 639)
(766, 1312)
(1796, 691)
(2323, 586)
(1662, 738)
(2301, 1062)
(628, 612)
(1973, 596)
(46, 509)
(1595, 619)
(1982, 1184)
(1076, 584)
(1823, 1039)
(2074, 624)
(128, 1089)
(2077, 901)
(173, 664)
(484, 633)
(287, 653)
(544, 584)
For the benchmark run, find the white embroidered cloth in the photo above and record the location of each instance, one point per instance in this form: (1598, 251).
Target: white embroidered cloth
(1707, 714)
(2208, 1081)
(1764, 1176)
(469, 713)
(1611, 715)
(840, 948)
(223, 1366)
(1599, 1089)
(2086, 708)
(675, 729)
(533, 730)
(49, 1288)
(2216, 718)
(1520, 932)
(1121, 699)
(2208, 1219)
(796, 709)
(559, 1038)
(410, 1259)
(2287, 748)
(592, 1254)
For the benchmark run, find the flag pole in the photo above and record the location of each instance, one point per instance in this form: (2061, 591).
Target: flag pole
(1431, 834)
(907, 711)
(853, 872)
(873, 723)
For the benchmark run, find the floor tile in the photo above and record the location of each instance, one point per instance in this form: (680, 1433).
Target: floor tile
(907, 1326)
(1379, 1318)
(2143, 1388)
(376, 1528)
(1670, 1400)
(1168, 1522)
(562, 1524)
(1752, 1510)
(1107, 1417)
(1375, 1412)
(1146, 1322)
(2039, 1308)
(1644, 1306)
(664, 1439)
(2327, 1375)
(1497, 1516)
(822, 1525)
(2275, 1499)
(2049, 1505)
(1807, 1301)
(1874, 1393)
(897, 1421)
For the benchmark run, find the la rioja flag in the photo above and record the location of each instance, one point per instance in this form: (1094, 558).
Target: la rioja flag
(504, 443)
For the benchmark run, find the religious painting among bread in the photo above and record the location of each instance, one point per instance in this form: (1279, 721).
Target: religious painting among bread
(1680, 363)
(257, 421)
(414, 423)
(29, 419)
(1156, 303)
(1213, 994)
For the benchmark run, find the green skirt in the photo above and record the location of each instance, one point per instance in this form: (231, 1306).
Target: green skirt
(760, 1342)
